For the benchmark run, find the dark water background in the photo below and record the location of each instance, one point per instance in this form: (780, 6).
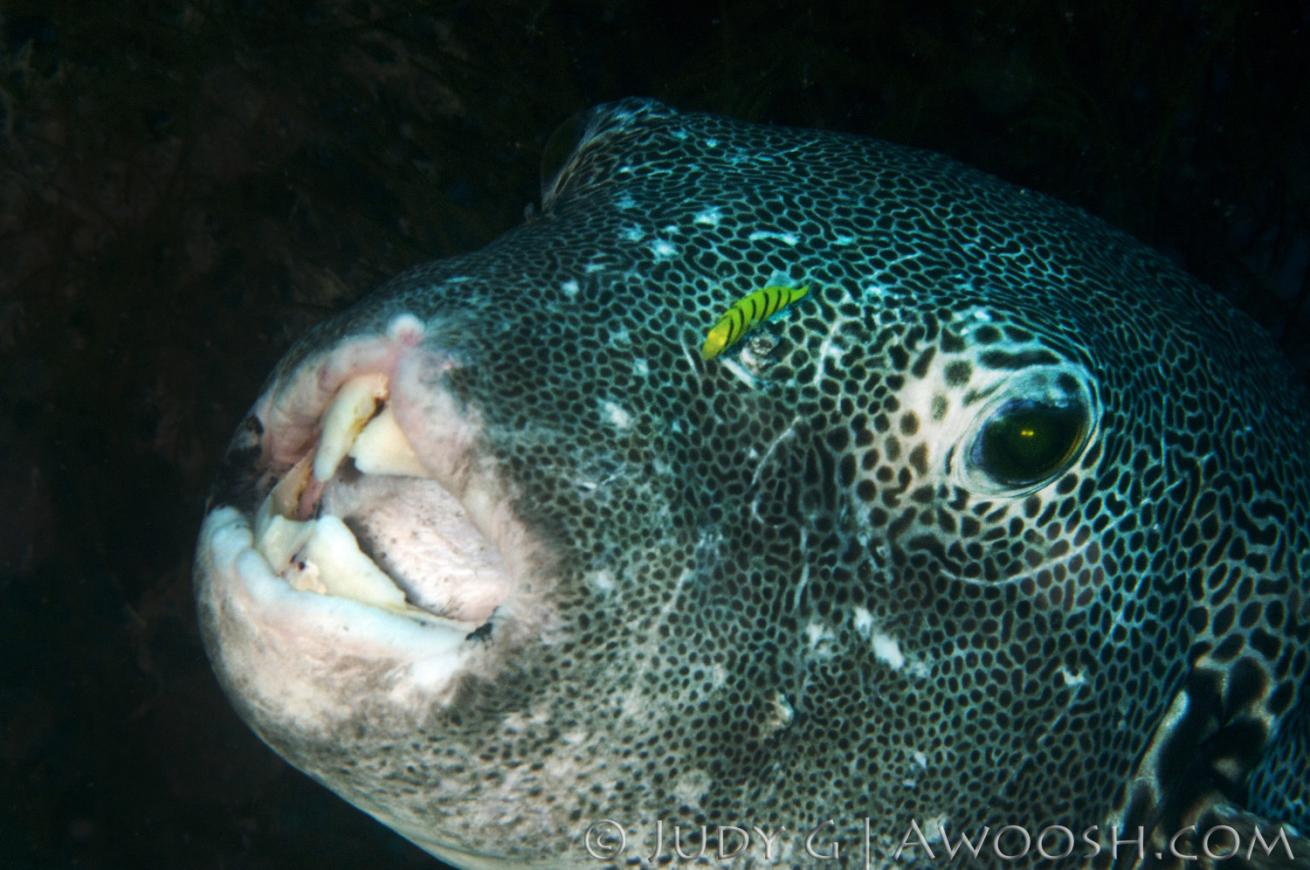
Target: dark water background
(185, 187)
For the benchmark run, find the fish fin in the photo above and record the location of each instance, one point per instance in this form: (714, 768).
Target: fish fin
(1285, 847)
(1275, 805)
(1279, 784)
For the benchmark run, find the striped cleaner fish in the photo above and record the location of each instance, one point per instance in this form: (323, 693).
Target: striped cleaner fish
(745, 313)
(1007, 535)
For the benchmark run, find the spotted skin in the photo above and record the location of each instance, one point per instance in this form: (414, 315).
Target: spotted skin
(787, 593)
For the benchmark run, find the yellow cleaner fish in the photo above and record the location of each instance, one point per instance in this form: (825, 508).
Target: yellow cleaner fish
(745, 313)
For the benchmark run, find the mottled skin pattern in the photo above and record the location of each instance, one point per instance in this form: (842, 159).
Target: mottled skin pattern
(787, 590)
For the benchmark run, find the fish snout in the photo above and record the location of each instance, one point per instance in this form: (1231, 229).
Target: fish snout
(361, 533)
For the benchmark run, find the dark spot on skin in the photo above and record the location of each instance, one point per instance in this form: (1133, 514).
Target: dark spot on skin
(482, 633)
(923, 362)
(999, 359)
(958, 373)
(919, 459)
(978, 395)
(938, 407)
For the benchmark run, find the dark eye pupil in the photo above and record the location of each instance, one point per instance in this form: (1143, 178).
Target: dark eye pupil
(1026, 442)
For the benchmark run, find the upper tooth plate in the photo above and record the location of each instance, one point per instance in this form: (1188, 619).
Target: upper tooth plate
(383, 449)
(350, 410)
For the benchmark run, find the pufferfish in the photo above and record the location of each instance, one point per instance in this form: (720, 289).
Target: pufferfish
(1009, 538)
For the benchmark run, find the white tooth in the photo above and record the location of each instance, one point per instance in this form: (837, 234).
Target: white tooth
(283, 499)
(350, 410)
(303, 575)
(322, 556)
(346, 572)
(383, 449)
(279, 538)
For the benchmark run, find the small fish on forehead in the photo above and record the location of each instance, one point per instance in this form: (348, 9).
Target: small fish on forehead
(745, 314)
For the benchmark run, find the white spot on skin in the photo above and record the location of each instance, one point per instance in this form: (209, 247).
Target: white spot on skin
(783, 708)
(921, 759)
(615, 415)
(711, 142)
(600, 582)
(873, 291)
(640, 367)
(818, 634)
(932, 828)
(632, 233)
(663, 249)
(624, 202)
(709, 217)
(569, 287)
(919, 670)
(691, 786)
(762, 235)
(863, 621)
(1072, 678)
(843, 241)
(888, 651)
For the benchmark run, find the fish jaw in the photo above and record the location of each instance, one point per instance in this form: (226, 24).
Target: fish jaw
(369, 554)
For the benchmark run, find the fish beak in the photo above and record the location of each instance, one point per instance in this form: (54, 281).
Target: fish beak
(378, 542)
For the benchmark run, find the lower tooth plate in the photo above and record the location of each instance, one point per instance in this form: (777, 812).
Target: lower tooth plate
(344, 570)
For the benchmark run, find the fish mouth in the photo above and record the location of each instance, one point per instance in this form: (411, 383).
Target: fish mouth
(361, 520)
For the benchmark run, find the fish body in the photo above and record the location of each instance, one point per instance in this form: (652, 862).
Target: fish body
(1009, 532)
(745, 313)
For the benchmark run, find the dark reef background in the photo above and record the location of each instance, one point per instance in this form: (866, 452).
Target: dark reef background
(186, 186)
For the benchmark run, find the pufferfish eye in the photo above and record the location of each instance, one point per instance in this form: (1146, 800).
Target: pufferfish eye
(1032, 427)
(1026, 442)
